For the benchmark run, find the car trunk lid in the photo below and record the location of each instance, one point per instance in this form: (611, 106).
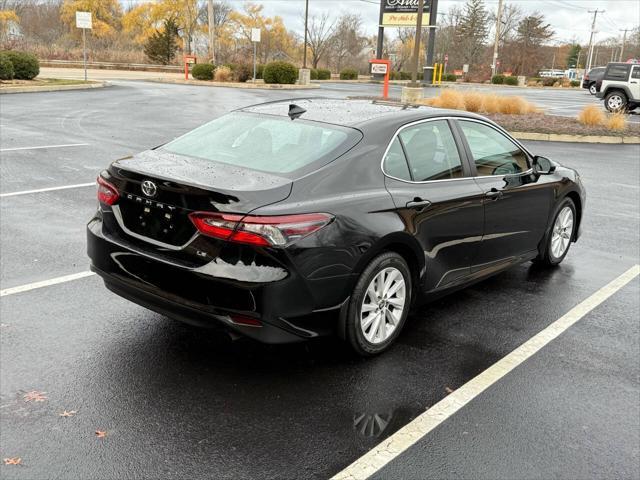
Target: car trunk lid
(159, 189)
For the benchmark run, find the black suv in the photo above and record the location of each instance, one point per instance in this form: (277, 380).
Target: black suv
(593, 79)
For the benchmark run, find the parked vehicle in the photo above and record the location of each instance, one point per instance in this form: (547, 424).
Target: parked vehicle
(621, 87)
(285, 222)
(593, 79)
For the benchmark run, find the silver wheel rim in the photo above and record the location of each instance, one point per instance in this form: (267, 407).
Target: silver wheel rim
(615, 102)
(383, 305)
(592, 89)
(562, 232)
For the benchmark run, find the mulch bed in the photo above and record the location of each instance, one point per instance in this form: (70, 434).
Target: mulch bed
(541, 123)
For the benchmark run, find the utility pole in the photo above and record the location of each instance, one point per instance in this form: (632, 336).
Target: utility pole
(380, 44)
(212, 33)
(593, 32)
(494, 65)
(624, 41)
(416, 47)
(306, 33)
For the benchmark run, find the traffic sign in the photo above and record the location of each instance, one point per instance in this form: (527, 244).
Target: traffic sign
(255, 34)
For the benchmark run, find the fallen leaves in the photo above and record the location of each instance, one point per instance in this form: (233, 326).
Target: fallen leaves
(34, 396)
(68, 414)
(101, 434)
(13, 461)
(449, 390)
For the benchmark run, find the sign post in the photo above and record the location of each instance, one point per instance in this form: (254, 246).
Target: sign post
(189, 60)
(83, 21)
(255, 38)
(381, 66)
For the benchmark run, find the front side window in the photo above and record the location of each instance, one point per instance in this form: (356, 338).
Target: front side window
(635, 74)
(268, 143)
(493, 153)
(431, 151)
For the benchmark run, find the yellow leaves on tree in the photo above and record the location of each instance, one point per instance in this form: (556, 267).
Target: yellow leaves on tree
(7, 18)
(275, 38)
(143, 20)
(106, 16)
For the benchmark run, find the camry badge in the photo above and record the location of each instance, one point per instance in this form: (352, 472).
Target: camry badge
(149, 188)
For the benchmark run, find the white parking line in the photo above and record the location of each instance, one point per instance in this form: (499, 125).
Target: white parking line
(50, 189)
(44, 283)
(408, 435)
(44, 146)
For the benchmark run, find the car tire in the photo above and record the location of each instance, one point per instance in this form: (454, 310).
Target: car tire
(557, 239)
(383, 286)
(616, 101)
(592, 88)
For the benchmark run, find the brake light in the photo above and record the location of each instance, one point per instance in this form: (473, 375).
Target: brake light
(262, 231)
(107, 193)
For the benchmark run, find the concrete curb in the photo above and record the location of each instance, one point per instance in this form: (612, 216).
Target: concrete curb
(50, 88)
(556, 137)
(247, 86)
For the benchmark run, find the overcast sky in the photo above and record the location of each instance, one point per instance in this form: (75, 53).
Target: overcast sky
(569, 18)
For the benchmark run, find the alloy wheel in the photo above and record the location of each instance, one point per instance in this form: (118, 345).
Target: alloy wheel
(615, 103)
(562, 232)
(592, 89)
(382, 305)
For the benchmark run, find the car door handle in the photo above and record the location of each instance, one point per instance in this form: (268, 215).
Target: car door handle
(418, 203)
(494, 194)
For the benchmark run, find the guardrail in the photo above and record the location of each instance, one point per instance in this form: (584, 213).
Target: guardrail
(142, 67)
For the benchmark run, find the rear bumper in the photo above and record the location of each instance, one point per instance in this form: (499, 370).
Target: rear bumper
(287, 310)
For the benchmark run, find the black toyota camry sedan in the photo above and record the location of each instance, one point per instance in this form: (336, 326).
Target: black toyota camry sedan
(286, 221)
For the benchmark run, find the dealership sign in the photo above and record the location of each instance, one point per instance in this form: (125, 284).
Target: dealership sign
(403, 13)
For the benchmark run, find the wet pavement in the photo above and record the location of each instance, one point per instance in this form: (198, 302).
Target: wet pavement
(178, 402)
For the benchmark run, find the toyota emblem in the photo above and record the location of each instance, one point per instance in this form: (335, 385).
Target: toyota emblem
(149, 188)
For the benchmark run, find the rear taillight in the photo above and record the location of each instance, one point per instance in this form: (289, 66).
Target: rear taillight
(107, 193)
(256, 230)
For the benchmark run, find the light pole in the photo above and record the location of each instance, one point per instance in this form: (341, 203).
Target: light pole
(306, 32)
(212, 33)
(494, 66)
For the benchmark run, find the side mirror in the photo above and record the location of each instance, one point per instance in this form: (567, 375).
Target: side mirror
(543, 166)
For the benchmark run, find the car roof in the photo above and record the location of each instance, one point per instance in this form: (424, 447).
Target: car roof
(354, 113)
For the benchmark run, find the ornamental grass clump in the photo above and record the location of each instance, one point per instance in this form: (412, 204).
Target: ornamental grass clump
(616, 121)
(591, 115)
(472, 101)
(223, 74)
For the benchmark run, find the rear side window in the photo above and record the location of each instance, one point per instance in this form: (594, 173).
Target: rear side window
(617, 72)
(635, 73)
(262, 142)
(395, 163)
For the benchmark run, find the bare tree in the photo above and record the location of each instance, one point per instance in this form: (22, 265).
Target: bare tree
(320, 31)
(347, 41)
(511, 16)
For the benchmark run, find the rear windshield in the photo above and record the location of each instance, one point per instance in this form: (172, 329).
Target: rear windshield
(269, 143)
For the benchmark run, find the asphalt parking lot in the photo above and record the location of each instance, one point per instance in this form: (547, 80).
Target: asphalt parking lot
(177, 402)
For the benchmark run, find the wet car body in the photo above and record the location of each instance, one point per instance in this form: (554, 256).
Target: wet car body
(451, 233)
